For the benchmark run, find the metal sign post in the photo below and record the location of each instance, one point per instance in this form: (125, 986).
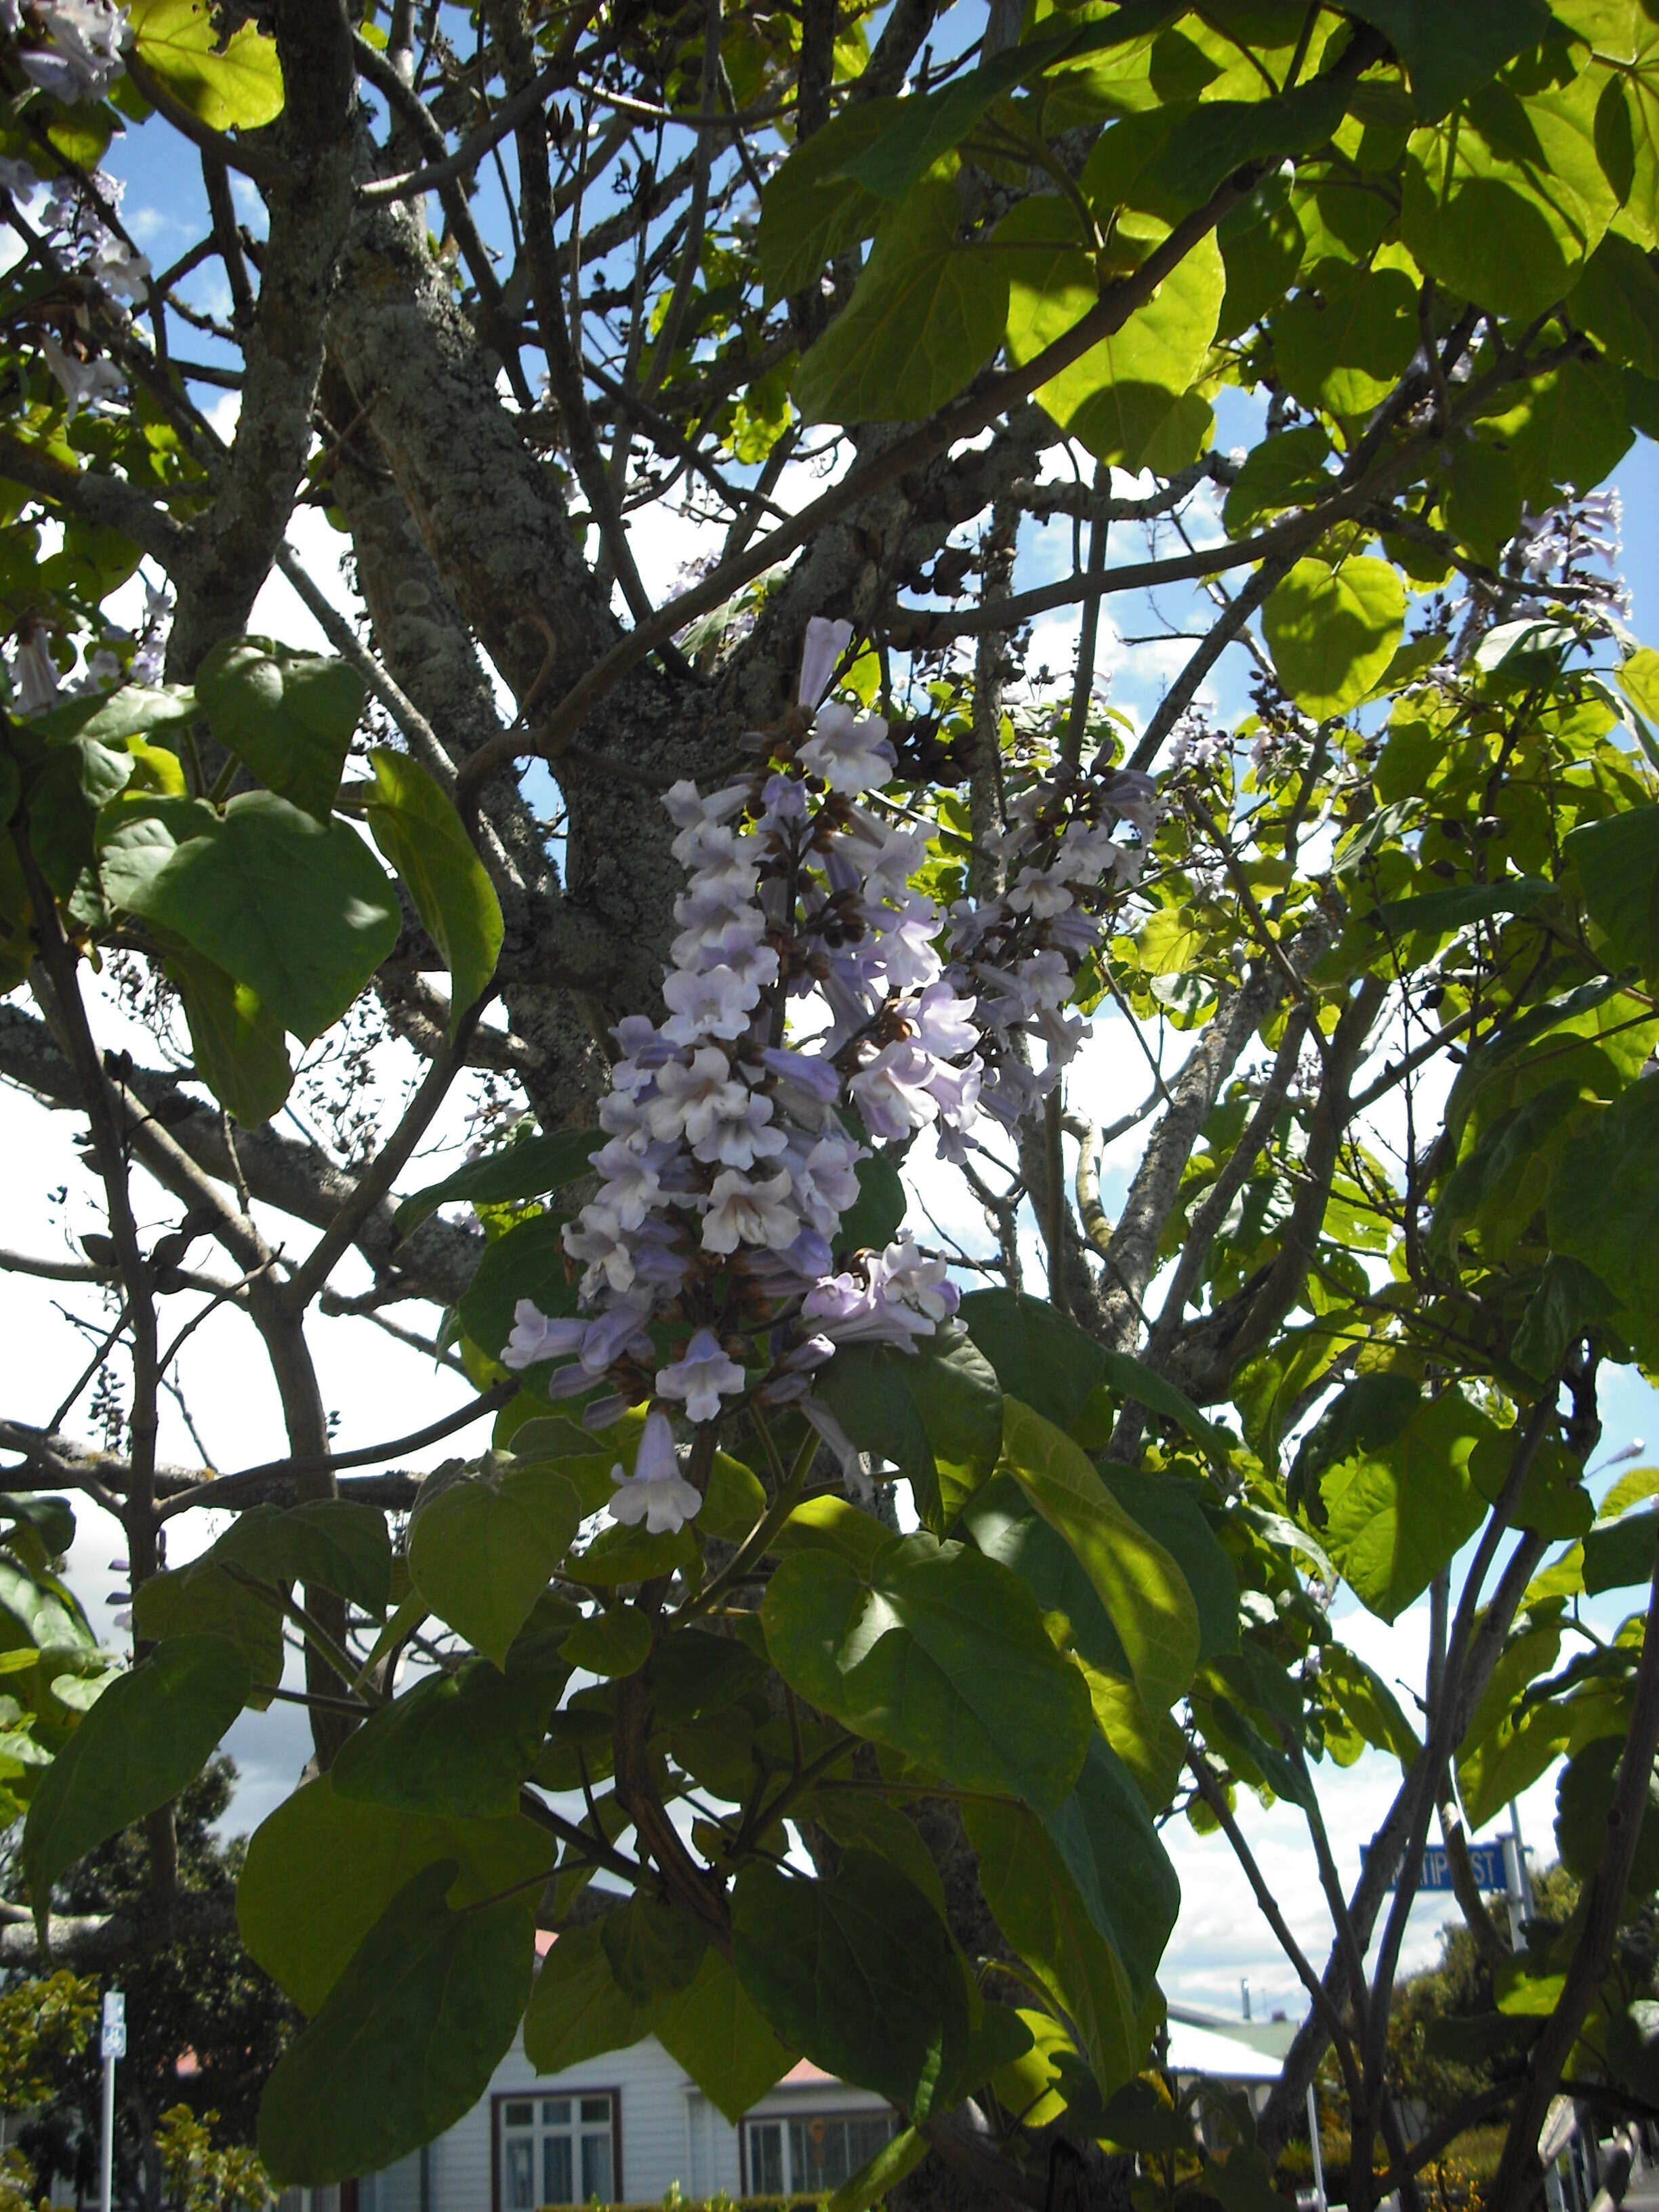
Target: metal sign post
(1317, 2149)
(112, 2043)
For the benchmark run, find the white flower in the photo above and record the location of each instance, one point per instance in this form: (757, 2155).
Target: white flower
(123, 272)
(687, 807)
(703, 1376)
(903, 1273)
(717, 1003)
(33, 674)
(599, 1241)
(631, 1186)
(82, 381)
(741, 1135)
(849, 753)
(827, 1183)
(693, 1095)
(655, 1492)
(745, 1213)
(84, 58)
(893, 1093)
(535, 1338)
(823, 645)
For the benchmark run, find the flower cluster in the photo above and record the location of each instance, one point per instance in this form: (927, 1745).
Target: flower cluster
(1018, 952)
(730, 1153)
(80, 57)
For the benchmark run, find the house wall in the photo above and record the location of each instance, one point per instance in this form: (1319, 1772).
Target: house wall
(669, 2132)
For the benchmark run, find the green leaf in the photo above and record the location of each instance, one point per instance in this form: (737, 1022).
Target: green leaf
(940, 1653)
(528, 1262)
(1128, 399)
(1620, 1555)
(926, 315)
(1395, 1513)
(577, 2012)
(1441, 912)
(1142, 1385)
(407, 2038)
(1333, 631)
(857, 1973)
(133, 711)
(936, 1412)
(297, 910)
(1603, 1204)
(1505, 220)
(694, 1673)
(654, 1951)
(1006, 1528)
(203, 1600)
(238, 87)
(418, 830)
(322, 1869)
(1284, 470)
(484, 1550)
(812, 209)
(1029, 1886)
(1617, 863)
(330, 1541)
(714, 2030)
(901, 2154)
(1449, 53)
(1040, 1356)
(147, 1736)
(1139, 1583)
(1368, 1703)
(1584, 1799)
(877, 1214)
(458, 1745)
(286, 715)
(614, 1642)
(1343, 347)
(1166, 1507)
(237, 1041)
(1553, 1501)
(530, 1169)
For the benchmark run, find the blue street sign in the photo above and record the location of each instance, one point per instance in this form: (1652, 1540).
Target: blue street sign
(1486, 1859)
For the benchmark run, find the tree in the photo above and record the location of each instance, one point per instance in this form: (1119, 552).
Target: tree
(1386, 943)
(205, 2026)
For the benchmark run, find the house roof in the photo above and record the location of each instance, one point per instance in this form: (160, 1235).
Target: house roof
(1203, 2051)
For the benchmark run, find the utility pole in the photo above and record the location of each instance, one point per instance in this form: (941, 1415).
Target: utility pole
(113, 2045)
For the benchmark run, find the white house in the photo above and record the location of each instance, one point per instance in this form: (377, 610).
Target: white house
(624, 2129)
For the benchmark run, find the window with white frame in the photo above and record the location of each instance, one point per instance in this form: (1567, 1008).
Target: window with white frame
(807, 2155)
(557, 2150)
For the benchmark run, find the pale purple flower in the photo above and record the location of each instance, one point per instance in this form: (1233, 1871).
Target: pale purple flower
(745, 1213)
(701, 1375)
(903, 1271)
(894, 1093)
(822, 649)
(693, 1095)
(16, 177)
(536, 1337)
(849, 753)
(631, 1186)
(84, 58)
(34, 674)
(742, 1135)
(688, 808)
(122, 272)
(613, 1333)
(656, 1493)
(827, 1181)
(717, 1003)
(819, 1079)
(598, 1241)
(82, 381)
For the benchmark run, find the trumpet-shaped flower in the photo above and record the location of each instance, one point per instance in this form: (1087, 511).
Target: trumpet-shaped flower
(656, 1493)
(701, 1375)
